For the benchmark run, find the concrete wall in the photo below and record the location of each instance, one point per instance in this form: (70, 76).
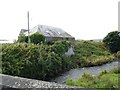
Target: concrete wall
(7, 81)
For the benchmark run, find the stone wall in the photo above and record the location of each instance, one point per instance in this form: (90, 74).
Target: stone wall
(70, 51)
(19, 83)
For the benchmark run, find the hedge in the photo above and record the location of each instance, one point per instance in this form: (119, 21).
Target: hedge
(34, 61)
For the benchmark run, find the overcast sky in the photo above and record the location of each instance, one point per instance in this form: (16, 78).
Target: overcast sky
(83, 19)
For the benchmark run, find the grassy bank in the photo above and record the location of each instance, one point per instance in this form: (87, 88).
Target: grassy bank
(46, 61)
(90, 53)
(106, 79)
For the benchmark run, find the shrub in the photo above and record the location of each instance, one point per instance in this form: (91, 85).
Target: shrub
(37, 38)
(34, 38)
(34, 61)
(118, 55)
(90, 53)
(22, 38)
(115, 70)
(103, 72)
(99, 60)
(87, 76)
(70, 82)
(112, 40)
(60, 47)
(106, 79)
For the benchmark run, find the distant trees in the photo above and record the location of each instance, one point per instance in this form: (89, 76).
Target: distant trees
(112, 40)
(22, 38)
(35, 38)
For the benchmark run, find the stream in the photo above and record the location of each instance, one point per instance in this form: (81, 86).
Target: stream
(74, 74)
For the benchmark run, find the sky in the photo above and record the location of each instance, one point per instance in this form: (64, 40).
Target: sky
(83, 19)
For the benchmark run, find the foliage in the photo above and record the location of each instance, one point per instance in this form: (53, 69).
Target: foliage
(103, 72)
(90, 53)
(35, 61)
(115, 70)
(112, 40)
(118, 55)
(37, 38)
(34, 38)
(46, 61)
(22, 38)
(60, 46)
(106, 79)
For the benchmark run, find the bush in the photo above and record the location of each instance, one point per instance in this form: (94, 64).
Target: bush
(90, 53)
(34, 61)
(118, 55)
(22, 38)
(70, 82)
(46, 61)
(87, 76)
(115, 70)
(106, 79)
(60, 47)
(37, 38)
(112, 40)
(103, 72)
(34, 38)
(99, 60)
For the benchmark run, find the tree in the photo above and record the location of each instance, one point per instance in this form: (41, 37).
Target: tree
(37, 38)
(112, 40)
(22, 38)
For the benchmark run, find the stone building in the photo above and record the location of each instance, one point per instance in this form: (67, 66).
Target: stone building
(50, 33)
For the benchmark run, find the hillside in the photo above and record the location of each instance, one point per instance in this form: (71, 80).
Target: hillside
(46, 61)
(90, 53)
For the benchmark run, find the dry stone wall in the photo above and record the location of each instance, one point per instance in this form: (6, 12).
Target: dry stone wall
(19, 83)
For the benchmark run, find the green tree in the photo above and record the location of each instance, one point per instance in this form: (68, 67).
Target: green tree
(37, 38)
(112, 40)
(22, 38)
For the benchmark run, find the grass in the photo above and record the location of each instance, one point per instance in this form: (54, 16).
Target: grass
(47, 61)
(91, 53)
(106, 79)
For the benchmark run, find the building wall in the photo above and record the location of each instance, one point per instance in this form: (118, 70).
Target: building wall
(50, 39)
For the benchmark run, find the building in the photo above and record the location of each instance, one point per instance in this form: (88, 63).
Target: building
(50, 33)
(23, 31)
(5, 41)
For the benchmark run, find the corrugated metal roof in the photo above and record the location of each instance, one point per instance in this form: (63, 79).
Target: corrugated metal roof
(50, 31)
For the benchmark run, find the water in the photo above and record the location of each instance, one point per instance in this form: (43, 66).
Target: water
(74, 74)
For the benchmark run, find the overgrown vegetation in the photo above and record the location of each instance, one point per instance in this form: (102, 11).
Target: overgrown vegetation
(90, 53)
(118, 54)
(35, 38)
(22, 38)
(112, 40)
(106, 79)
(35, 61)
(42, 61)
